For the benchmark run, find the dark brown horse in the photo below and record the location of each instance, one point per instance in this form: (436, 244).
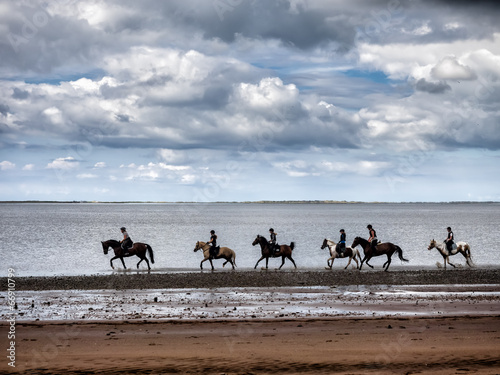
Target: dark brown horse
(138, 249)
(285, 251)
(386, 248)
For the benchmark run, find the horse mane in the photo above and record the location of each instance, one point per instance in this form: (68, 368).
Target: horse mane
(361, 240)
(114, 242)
(264, 238)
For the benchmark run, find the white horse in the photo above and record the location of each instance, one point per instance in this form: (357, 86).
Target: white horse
(348, 252)
(459, 247)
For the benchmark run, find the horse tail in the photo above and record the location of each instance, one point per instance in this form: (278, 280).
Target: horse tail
(400, 254)
(292, 245)
(150, 250)
(234, 259)
(467, 252)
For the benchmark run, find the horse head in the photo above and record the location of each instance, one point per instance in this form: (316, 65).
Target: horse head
(105, 247)
(432, 245)
(325, 244)
(257, 240)
(356, 242)
(197, 247)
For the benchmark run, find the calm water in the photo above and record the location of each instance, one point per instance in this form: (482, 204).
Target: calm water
(65, 239)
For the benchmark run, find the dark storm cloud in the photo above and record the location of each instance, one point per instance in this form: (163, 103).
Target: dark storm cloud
(432, 87)
(4, 109)
(20, 94)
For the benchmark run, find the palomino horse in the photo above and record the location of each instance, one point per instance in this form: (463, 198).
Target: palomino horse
(460, 247)
(284, 252)
(138, 249)
(386, 248)
(350, 252)
(224, 253)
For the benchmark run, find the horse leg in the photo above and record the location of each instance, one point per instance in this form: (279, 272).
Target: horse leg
(362, 261)
(389, 258)
(282, 261)
(123, 262)
(210, 259)
(201, 263)
(357, 264)
(111, 261)
(256, 264)
(147, 262)
(350, 258)
(290, 257)
(328, 263)
(367, 259)
(451, 264)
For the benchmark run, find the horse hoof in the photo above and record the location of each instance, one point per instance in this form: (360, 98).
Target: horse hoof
(263, 268)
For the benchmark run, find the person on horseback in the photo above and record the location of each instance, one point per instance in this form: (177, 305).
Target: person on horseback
(126, 242)
(449, 240)
(373, 237)
(214, 249)
(273, 246)
(340, 248)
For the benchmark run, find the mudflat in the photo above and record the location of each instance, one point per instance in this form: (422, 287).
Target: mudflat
(453, 345)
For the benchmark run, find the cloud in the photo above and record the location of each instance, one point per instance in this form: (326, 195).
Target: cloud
(29, 167)
(63, 163)
(4, 109)
(450, 68)
(432, 87)
(6, 165)
(86, 175)
(100, 164)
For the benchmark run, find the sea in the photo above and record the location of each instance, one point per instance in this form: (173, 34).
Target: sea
(52, 239)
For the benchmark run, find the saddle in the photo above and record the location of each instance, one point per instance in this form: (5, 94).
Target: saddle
(214, 250)
(274, 249)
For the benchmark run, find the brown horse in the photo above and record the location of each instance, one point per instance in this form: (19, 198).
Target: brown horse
(224, 253)
(285, 251)
(386, 248)
(138, 249)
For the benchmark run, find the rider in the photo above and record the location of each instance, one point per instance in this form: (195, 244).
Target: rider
(214, 249)
(273, 246)
(126, 242)
(373, 237)
(340, 248)
(449, 240)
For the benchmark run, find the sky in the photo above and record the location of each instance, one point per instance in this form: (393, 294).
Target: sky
(248, 100)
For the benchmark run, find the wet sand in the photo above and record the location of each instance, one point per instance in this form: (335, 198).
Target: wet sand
(340, 346)
(253, 322)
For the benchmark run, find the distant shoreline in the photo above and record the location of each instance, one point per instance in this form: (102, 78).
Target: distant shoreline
(243, 202)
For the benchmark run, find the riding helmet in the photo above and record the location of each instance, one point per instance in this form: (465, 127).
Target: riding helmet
(369, 226)
(271, 230)
(123, 228)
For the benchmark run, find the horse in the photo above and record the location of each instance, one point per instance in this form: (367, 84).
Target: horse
(224, 253)
(386, 248)
(138, 249)
(460, 247)
(284, 252)
(350, 252)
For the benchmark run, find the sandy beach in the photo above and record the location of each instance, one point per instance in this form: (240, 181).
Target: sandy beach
(339, 346)
(403, 322)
